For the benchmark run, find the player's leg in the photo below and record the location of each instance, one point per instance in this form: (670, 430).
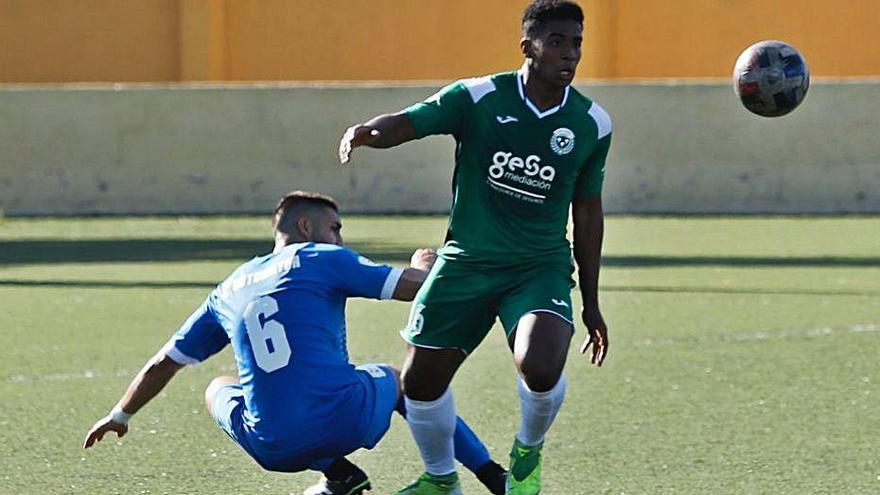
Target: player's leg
(451, 315)
(224, 399)
(538, 318)
(427, 374)
(469, 450)
(215, 385)
(381, 389)
(472, 453)
(540, 345)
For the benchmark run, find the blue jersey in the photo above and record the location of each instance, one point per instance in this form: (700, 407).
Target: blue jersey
(284, 314)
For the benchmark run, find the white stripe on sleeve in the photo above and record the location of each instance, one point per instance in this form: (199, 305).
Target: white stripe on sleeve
(478, 87)
(177, 356)
(391, 283)
(603, 120)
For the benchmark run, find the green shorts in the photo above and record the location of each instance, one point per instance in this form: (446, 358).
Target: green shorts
(457, 305)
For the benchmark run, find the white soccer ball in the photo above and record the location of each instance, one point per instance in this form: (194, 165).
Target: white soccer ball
(771, 78)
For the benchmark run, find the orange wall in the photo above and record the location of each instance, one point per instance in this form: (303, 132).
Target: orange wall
(702, 38)
(88, 40)
(240, 40)
(372, 39)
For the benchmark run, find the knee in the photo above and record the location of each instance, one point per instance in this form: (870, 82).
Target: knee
(541, 344)
(423, 385)
(428, 372)
(210, 392)
(540, 375)
(215, 385)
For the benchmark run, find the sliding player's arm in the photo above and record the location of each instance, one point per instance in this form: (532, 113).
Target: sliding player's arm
(442, 113)
(412, 278)
(158, 371)
(200, 337)
(356, 276)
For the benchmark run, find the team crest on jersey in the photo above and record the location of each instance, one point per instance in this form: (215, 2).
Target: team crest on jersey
(562, 141)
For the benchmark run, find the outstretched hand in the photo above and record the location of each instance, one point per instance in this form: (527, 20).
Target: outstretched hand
(597, 336)
(358, 135)
(104, 425)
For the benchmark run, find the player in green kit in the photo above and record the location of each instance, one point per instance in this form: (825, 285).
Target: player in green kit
(529, 148)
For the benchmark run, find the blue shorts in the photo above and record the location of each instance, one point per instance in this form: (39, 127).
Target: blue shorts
(380, 383)
(380, 389)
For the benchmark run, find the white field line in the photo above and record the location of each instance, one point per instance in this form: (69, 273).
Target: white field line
(748, 337)
(759, 336)
(83, 375)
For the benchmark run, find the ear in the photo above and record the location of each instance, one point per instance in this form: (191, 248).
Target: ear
(525, 46)
(304, 226)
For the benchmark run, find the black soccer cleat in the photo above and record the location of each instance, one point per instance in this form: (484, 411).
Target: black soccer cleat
(351, 481)
(355, 484)
(493, 476)
(341, 477)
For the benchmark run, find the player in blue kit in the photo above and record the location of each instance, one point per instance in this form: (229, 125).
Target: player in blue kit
(297, 402)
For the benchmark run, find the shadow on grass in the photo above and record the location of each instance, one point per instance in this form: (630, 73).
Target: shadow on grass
(172, 284)
(740, 291)
(741, 261)
(34, 252)
(135, 250)
(108, 284)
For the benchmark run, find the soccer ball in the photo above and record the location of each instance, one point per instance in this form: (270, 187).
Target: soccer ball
(771, 78)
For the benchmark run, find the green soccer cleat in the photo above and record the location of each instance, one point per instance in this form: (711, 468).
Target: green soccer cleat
(428, 484)
(524, 477)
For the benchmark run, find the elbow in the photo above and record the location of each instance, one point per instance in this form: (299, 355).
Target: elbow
(164, 366)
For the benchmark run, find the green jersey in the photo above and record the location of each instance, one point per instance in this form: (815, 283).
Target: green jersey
(517, 168)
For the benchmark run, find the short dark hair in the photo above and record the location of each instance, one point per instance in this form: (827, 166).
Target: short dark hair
(540, 12)
(297, 203)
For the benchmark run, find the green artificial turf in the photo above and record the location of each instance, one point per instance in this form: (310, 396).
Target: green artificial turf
(745, 359)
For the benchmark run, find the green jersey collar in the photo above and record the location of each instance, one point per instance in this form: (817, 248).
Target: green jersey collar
(532, 106)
